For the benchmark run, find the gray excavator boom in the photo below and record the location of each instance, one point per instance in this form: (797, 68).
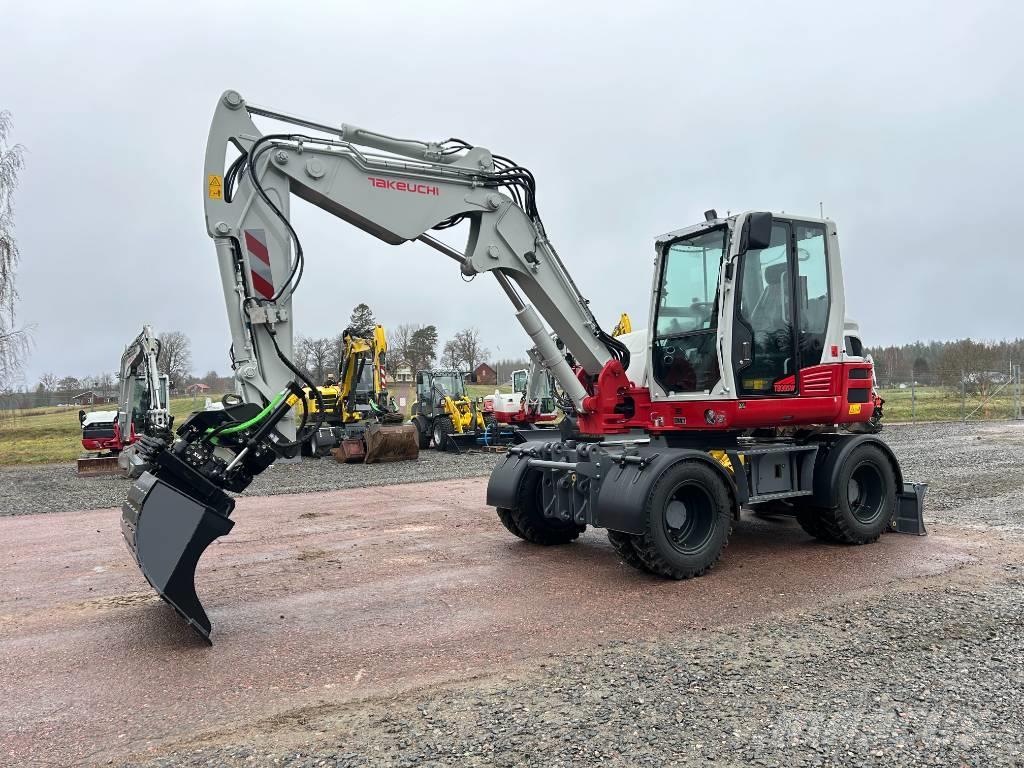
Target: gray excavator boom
(395, 189)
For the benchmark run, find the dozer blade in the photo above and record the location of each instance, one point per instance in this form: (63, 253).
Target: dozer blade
(167, 532)
(385, 442)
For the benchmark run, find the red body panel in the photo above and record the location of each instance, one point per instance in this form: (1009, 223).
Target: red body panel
(822, 397)
(114, 443)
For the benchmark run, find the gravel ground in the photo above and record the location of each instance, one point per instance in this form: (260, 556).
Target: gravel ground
(932, 676)
(931, 673)
(966, 466)
(58, 488)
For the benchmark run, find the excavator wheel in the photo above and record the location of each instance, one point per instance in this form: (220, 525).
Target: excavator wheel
(689, 519)
(530, 522)
(442, 429)
(623, 545)
(864, 500)
(505, 515)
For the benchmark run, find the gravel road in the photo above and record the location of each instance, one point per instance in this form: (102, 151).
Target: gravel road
(931, 676)
(34, 489)
(965, 466)
(785, 655)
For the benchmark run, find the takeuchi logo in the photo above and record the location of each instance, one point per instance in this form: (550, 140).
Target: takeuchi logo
(403, 186)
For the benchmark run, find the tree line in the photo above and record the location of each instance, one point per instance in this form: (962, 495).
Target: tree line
(975, 365)
(409, 344)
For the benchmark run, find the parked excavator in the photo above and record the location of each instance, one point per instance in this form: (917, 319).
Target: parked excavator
(358, 418)
(751, 362)
(532, 402)
(143, 400)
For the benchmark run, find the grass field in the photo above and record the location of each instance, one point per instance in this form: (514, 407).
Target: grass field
(47, 435)
(43, 435)
(943, 404)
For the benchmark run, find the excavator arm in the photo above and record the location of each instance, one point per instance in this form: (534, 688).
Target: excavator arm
(139, 361)
(396, 190)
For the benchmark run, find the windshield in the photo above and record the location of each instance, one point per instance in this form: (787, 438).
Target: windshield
(449, 383)
(519, 381)
(689, 284)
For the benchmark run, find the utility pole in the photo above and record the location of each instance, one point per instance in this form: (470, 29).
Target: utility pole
(1017, 392)
(963, 396)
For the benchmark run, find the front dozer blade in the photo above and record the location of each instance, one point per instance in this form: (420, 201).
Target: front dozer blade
(167, 532)
(385, 442)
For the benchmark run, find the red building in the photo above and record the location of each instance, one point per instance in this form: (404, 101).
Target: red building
(485, 374)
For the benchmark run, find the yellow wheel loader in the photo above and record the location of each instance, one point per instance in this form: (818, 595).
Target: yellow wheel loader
(358, 417)
(445, 415)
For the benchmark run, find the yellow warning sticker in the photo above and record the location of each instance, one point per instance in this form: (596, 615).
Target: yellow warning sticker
(216, 186)
(854, 408)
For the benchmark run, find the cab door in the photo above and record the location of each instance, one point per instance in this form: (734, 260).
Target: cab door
(764, 348)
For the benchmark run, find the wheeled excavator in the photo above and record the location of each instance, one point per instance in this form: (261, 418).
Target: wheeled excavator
(751, 368)
(142, 408)
(531, 402)
(358, 416)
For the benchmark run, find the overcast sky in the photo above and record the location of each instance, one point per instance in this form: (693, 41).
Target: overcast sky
(906, 120)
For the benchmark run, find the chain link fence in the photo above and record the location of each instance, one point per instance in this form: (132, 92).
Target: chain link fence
(953, 395)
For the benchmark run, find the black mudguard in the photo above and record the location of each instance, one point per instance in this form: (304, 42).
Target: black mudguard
(622, 500)
(507, 478)
(167, 532)
(831, 461)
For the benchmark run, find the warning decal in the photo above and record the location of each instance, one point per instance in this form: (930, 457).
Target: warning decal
(215, 185)
(854, 408)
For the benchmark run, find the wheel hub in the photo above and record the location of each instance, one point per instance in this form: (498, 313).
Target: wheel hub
(675, 514)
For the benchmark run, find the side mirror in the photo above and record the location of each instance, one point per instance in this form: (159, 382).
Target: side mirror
(81, 416)
(757, 232)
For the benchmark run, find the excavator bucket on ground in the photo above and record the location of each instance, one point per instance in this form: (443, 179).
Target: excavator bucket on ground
(170, 518)
(391, 442)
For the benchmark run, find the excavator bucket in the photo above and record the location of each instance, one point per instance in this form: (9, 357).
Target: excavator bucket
(167, 531)
(385, 442)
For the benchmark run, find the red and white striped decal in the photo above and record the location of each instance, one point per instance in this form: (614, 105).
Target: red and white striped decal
(259, 262)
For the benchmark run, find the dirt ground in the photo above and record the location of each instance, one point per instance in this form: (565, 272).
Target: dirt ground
(357, 598)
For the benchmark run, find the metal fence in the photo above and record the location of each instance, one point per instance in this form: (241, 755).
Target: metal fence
(953, 395)
(23, 401)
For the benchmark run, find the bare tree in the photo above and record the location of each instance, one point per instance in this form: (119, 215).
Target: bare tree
(450, 355)
(175, 358)
(316, 357)
(399, 339)
(468, 349)
(49, 382)
(14, 341)
(69, 384)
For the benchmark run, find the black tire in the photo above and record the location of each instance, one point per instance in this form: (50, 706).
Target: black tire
(505, 515)
(314, 445)
(689, 519)
(422, 432)
(530, 522)
(809, 518)
(442, 428)
(623, 545)
(864, 500)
